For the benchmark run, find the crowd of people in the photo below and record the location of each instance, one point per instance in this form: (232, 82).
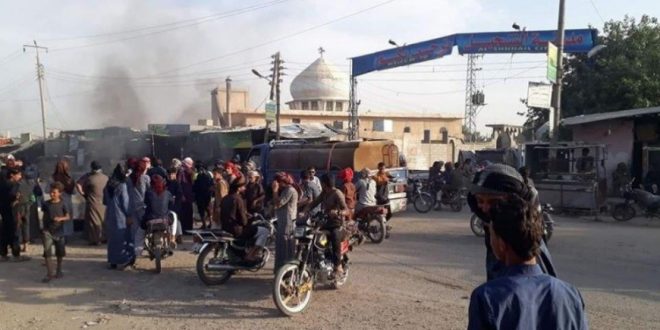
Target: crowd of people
(522, 288)
(117, 206)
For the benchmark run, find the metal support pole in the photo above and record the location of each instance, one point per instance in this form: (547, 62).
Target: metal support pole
(353, 120)
(228, 97)
(40, 78)
(560, 71)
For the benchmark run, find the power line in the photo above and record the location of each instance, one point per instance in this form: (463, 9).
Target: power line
(176, 27)
(593, 4)
(272, 41)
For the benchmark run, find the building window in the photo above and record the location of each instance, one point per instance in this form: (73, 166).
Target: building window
(427, 136)
(338, 124)
(339, 106)
(406, 129)
(315, 105)
(305, 105)
(328, 105)
(295, 120)
(444, 135)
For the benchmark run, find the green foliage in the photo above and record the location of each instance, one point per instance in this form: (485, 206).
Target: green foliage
(536, 117)
(624, 75)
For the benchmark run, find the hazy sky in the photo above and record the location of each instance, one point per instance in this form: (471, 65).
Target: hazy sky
(119, 62)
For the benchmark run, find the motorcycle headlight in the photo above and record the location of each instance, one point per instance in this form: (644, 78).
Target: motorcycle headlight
(322, 241)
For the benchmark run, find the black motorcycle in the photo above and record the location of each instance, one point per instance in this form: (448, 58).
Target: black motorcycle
(312, 266)
(477, 225)
(647, 202)
(371, 222)
(221, 255)
(157, 239)
(422, 200)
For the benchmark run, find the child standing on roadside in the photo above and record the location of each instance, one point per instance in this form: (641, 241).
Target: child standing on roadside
(55, 215)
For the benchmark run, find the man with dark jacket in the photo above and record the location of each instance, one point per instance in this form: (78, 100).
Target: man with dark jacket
(9, 196)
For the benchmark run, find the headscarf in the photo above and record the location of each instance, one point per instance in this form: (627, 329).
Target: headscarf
(188, 162)
(118, 177)
(61, 173)
(176, 163)
(158, 184)
(346, 175)
(232, 169)
(138, 171)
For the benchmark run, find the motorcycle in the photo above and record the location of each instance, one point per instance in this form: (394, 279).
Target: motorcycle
(422, 200)
(221, 255)
(646, 201)
(157, 239)
(454, 199)
(295, 281)
(370, 222)
(477, 225)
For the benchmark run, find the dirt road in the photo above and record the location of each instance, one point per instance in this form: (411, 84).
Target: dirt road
(419, 279)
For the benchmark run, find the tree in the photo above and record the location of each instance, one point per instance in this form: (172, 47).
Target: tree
(536, 117)
(624, 75)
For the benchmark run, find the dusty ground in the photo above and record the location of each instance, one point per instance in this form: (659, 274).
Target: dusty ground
(419, 279)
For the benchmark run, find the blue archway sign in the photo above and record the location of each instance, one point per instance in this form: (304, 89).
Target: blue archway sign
(576, 41)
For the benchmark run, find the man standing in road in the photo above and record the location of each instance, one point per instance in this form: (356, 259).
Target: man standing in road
(91, 188)
(522, 297)
(366, 190)
(497, 182)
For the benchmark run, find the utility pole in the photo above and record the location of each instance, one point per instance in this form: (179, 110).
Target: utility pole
(560, 71)
(40, 78)
(276, 80)
(473, 96)
(228, 97)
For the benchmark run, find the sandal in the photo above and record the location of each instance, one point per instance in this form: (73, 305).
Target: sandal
(47, 279)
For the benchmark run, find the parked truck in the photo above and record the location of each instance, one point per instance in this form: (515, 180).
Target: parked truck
(296, 156)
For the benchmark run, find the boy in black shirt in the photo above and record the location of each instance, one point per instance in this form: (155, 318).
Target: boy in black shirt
(55, 214)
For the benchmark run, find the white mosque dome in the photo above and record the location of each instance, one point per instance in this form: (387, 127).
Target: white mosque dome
(320, 81)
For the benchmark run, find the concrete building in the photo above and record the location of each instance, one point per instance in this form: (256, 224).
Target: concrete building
(630, 136)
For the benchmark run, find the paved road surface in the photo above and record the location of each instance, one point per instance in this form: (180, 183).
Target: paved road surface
(419, 279)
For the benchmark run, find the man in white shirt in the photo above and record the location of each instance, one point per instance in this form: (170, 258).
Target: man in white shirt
(366, 190)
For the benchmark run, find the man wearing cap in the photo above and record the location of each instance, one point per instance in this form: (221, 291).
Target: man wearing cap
(522, 296)
(91, 188)
(499, 182)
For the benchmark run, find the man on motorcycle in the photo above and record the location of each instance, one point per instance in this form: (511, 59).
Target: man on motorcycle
(334, 206)
(496, 183)
(234, 218)
(452, 182)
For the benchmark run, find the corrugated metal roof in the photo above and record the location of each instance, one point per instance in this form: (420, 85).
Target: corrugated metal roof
(584, 119)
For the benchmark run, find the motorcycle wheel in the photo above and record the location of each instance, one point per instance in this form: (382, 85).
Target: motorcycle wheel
(457, 206)
(477, 226)
(548, 226)
(623, 212)
(286, 289)
(423, 202)
(157, 251)
(207, 277)
(376, 229)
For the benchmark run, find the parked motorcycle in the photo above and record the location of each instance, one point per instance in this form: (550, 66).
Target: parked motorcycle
(221, 255)
(294, 281)
(647, 202)
(477, 225)
(370, 222)
(157, 240)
